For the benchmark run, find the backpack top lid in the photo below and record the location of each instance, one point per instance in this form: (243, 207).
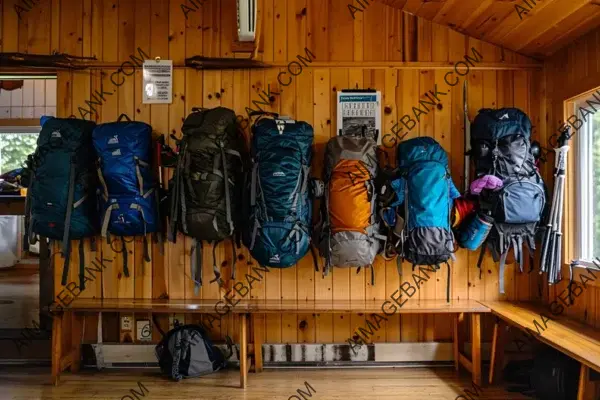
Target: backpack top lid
(296, 134)
(133, 135)
(420, 149)
(214, 121)
(68, 133)
(494, 124)
(351, 148)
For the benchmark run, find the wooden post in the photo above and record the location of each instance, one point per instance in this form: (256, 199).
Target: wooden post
(497, 355)
(56, 347)
(476, 351)
(583, 381)
(455, 344)
(258, 339)
(243, 351)
(76, 338)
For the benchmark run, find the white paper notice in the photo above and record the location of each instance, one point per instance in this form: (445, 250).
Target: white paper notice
(158, 82)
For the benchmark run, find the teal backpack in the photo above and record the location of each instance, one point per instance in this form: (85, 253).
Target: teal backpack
(279, 209)
(61, 198)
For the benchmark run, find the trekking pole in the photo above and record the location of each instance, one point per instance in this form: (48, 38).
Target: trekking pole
(562, 172)
(546, 242)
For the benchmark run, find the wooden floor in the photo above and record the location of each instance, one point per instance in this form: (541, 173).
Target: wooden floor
(334, 384)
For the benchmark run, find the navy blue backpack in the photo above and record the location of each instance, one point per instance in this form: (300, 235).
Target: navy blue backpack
(279, 209)
(61, 202)
(128, 188)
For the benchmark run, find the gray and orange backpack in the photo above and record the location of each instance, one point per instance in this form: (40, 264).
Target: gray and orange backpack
(349, 231)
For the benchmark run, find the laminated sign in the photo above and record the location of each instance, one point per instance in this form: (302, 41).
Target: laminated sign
(158, 81)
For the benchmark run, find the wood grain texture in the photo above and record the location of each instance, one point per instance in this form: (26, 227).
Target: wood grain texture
(568, 336)
(532, 28)
(401, 55)
(359, 384)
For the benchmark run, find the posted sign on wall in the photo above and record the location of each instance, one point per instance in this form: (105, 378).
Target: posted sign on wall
(158, 81)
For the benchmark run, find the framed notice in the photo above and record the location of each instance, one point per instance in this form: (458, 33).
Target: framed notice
(158, 82)
(359, 112)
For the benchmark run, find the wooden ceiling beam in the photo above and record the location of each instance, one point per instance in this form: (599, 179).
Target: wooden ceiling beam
(562, 35)
(536, 26)
(547, 25)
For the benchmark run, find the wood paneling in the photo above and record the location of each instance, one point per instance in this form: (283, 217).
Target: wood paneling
(378, 35)
(532, 28)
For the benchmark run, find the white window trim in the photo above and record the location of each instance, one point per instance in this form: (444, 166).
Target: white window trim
(583, 154)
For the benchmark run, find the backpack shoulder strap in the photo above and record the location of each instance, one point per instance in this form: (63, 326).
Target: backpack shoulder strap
(66, 246)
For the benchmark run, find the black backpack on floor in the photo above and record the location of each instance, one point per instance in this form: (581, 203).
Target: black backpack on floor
(203, 206)
(187, 352)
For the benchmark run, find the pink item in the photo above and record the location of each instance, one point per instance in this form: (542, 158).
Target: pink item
(485, 182)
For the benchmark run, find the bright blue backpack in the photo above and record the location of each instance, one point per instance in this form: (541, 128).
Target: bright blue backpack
(61, 201)
(425, 194)
(279, 210)
(129, 194)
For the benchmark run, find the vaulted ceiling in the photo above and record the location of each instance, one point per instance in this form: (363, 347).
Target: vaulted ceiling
(532, 27)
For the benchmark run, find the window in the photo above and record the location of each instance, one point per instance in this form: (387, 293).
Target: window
(587, 164)
(15, 144)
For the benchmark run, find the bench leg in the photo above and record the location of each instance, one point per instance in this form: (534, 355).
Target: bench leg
(455, 344)
(76, 338)
(584, 377)
(257, 332)
(476, 351)
(56, 347)
(497, 356)
(243, 350)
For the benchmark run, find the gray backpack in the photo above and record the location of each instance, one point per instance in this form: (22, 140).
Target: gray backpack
(349, 229)
(187, 352)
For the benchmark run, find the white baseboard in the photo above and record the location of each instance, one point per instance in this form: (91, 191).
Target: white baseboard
(299, 354)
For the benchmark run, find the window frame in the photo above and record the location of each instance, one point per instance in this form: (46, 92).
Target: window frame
(582, 153)
(25, 129)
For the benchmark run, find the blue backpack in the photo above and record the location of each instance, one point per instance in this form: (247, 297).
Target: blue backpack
(128, 189)
(61, 201)
(421, 209)
(279, 210)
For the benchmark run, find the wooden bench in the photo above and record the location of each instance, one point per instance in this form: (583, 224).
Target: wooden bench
(570, 337)
(71, 356)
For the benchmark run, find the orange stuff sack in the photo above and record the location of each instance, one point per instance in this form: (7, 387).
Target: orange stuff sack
(349, 231)
(349, 205)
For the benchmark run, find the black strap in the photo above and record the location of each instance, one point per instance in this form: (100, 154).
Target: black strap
(124, 251)
(372, 275)
(448, 284)
(314, 256)
(215, 269)
(93, 246)
(66, 247)
(234, 258)
(123, 116)
(157, 326)
(481, 254)
(146, 250)
(81, 265)
(159, 221)
(67, 257)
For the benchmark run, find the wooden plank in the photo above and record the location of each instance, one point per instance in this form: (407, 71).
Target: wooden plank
(575, 339)
(442, 127)
(295, 306)
(296, 27)
(322, 125)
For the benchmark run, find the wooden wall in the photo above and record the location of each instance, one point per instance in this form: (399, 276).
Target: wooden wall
(113, 30)
(570, 72)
